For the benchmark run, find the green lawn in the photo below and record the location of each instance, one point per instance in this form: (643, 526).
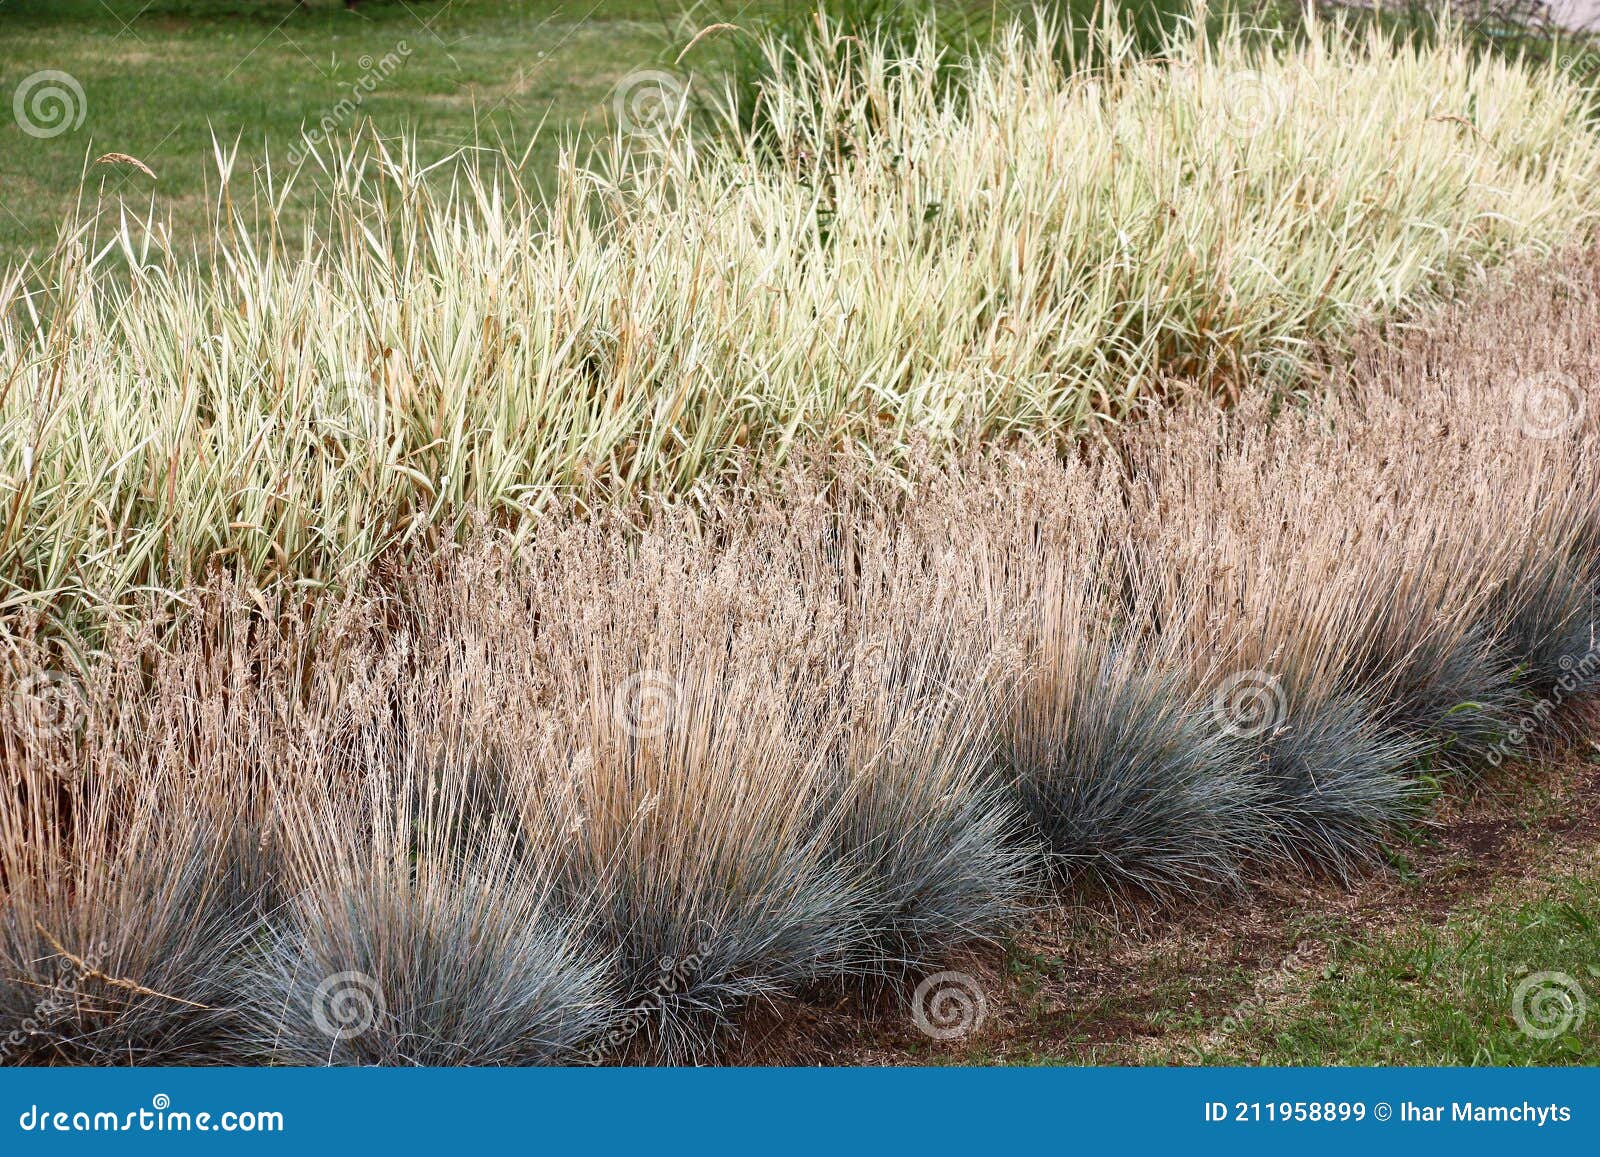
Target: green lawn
(1496, 911)
(160, 77)
(1431, 989)
(1449, 994)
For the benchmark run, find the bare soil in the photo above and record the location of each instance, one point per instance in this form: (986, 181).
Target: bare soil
(1112, 980)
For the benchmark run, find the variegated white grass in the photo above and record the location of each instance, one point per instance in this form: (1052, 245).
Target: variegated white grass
(1031, 248)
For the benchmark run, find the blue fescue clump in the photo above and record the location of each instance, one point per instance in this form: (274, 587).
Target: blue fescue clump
(1125, 781)
(1333, 780)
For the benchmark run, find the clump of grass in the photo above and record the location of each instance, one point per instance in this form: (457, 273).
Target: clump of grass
(933, 846)
(423, 927)
(1344, 559)
(937, 846)
(1335, 781)
(129, 876)
(709, 845)
(123, 959)
(1116, 762)
(1546, 617)
(1127, 783)
(1518, 561)
(693, 761)
(776, 780)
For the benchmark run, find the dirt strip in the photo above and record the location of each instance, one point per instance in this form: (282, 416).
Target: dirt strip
(1108, 981)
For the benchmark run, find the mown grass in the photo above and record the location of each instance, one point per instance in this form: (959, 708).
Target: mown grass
(160, 78)
(1430, 993)
(1423, 991)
